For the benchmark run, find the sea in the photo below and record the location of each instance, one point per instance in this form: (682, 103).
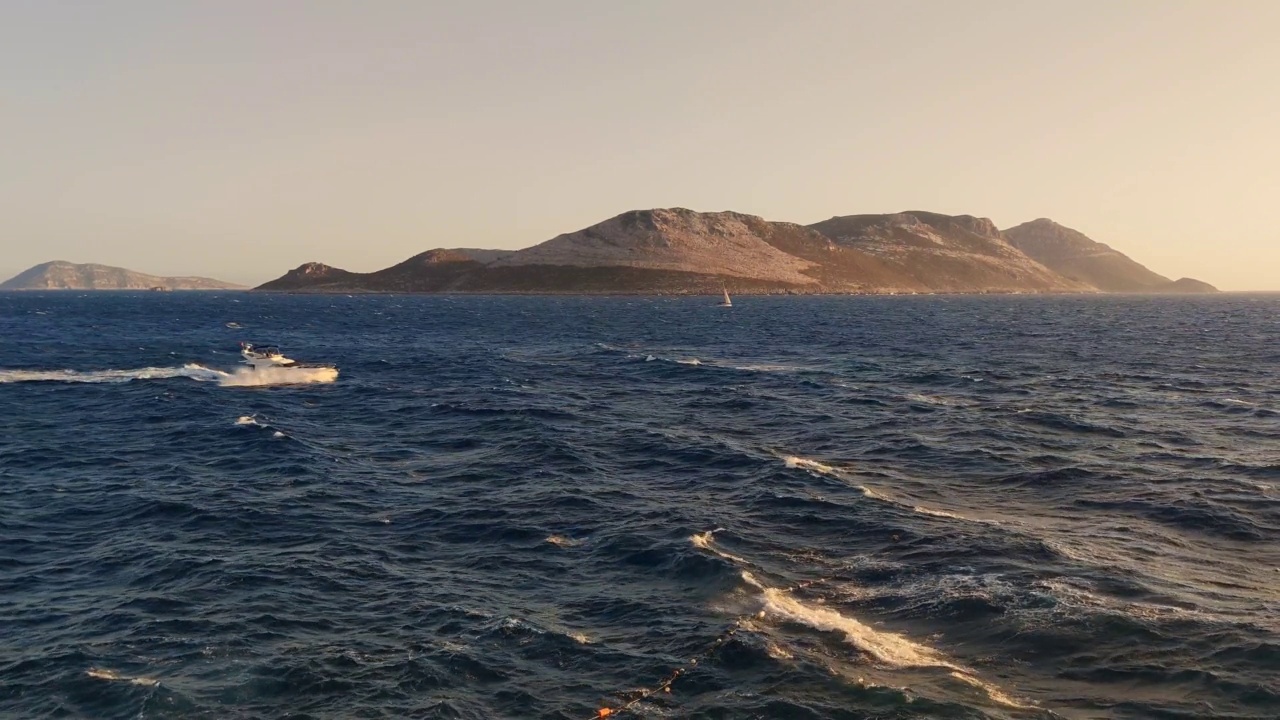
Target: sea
(571, 507)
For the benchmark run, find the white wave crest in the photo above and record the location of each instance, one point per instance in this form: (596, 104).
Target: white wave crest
(887, 648)
(877, 495)
(102, 674)
(706, 541)
(793, 461)
(932, 400)
(767, 367)
(941, 513)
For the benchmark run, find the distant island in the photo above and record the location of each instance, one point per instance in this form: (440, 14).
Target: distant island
(679, 251)
(60, 275)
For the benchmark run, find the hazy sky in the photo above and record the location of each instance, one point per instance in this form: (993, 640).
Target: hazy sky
(239, 139)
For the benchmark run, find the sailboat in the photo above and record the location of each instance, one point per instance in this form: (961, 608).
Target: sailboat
(726, 302)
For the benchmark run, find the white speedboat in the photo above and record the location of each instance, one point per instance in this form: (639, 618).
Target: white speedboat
(263, 358)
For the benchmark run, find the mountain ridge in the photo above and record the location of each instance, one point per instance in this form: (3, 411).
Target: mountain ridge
(946, 253)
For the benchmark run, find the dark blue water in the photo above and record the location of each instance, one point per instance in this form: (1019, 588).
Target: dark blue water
(542, 507)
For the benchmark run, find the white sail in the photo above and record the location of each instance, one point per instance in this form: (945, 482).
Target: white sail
(727, 302)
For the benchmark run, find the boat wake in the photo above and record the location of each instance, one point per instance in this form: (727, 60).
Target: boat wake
(191, 371)
(244, 377)
(248, 377)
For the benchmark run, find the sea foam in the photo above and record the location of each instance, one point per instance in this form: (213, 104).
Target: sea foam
(886, 648)
(102, 674)
(246, 377)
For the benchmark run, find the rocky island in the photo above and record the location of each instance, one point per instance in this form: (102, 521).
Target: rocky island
(60, 275)
(681, 251)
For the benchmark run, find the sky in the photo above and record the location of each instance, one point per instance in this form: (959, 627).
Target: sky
(238, 138)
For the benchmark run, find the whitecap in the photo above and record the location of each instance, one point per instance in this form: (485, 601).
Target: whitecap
(886, 648)
(706, 541)
(930, 400)
(876, 495)
(103, 674)
(869, 492)
(765, 367)
(793, 461)
(933, 512)
(937, 513)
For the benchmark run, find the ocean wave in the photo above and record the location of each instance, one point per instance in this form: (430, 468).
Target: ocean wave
(885, 648)
(1059, 478)
(793, 461)
(943, 514)
(1193, 514)
(936, 400)
(103, 674)
(706, 541)
(815, 466)
(440, 534)
(1068, 423)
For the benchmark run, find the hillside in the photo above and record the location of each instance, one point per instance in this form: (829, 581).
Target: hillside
(945, 253)
(1075, 255)
(59, 275)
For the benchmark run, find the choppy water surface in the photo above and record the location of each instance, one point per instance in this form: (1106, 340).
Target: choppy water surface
(541, 507)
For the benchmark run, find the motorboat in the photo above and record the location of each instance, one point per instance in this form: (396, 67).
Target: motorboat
(266, 357)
